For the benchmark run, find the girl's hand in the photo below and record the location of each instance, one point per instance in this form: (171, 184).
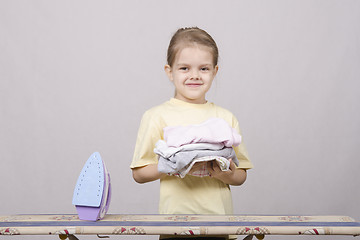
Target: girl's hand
(234, 176)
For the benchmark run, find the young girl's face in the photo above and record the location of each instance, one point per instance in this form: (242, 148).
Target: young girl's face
(192, 73)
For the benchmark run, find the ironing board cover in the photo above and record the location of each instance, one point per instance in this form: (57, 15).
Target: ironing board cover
(128, 224)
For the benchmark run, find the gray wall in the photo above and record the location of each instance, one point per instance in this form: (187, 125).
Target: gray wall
(76, 76)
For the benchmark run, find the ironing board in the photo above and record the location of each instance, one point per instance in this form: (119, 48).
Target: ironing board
(68, 225)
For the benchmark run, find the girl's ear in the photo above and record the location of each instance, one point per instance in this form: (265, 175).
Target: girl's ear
(216, 69)
(168, 71)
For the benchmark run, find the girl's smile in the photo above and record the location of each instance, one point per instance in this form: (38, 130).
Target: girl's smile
(194, 84)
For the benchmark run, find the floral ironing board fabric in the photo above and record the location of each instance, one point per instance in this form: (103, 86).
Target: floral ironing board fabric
(179, 225)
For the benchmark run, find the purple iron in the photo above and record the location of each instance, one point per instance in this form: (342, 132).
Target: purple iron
(92, 192)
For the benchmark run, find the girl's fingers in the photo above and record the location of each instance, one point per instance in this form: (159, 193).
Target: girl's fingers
(232, 165)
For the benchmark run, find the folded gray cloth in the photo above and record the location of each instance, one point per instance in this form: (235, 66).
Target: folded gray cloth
(181, 159)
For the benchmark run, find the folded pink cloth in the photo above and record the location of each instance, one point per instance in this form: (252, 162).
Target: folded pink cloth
(214, 130)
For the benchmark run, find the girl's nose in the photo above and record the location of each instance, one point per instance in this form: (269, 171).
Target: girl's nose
(195, 75)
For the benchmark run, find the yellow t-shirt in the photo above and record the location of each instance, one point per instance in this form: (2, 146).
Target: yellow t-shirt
(189, 195)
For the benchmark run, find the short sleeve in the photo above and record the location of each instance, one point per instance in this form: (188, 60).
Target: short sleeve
(149, 133)
(240, 150)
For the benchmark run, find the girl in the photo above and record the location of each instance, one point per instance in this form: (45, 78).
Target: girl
(192, 60)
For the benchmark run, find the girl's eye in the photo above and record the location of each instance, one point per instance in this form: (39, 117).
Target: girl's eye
(204, 69)
(183, 68)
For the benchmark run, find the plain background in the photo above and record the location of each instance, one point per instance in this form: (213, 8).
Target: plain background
(76, 77)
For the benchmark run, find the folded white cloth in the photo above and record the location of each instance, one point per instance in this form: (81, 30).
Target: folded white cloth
(166, 151)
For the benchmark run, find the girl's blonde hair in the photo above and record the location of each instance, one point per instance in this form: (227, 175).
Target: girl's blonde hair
(185, 37)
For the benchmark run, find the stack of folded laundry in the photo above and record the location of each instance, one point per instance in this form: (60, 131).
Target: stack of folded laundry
(183, 146)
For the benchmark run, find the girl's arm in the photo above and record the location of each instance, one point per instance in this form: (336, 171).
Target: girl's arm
(147, 173)
(235, 176)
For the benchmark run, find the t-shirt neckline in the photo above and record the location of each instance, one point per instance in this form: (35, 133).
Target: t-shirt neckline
(183, 103)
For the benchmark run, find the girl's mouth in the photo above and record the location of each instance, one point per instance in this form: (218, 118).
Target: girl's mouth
(193, 84)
